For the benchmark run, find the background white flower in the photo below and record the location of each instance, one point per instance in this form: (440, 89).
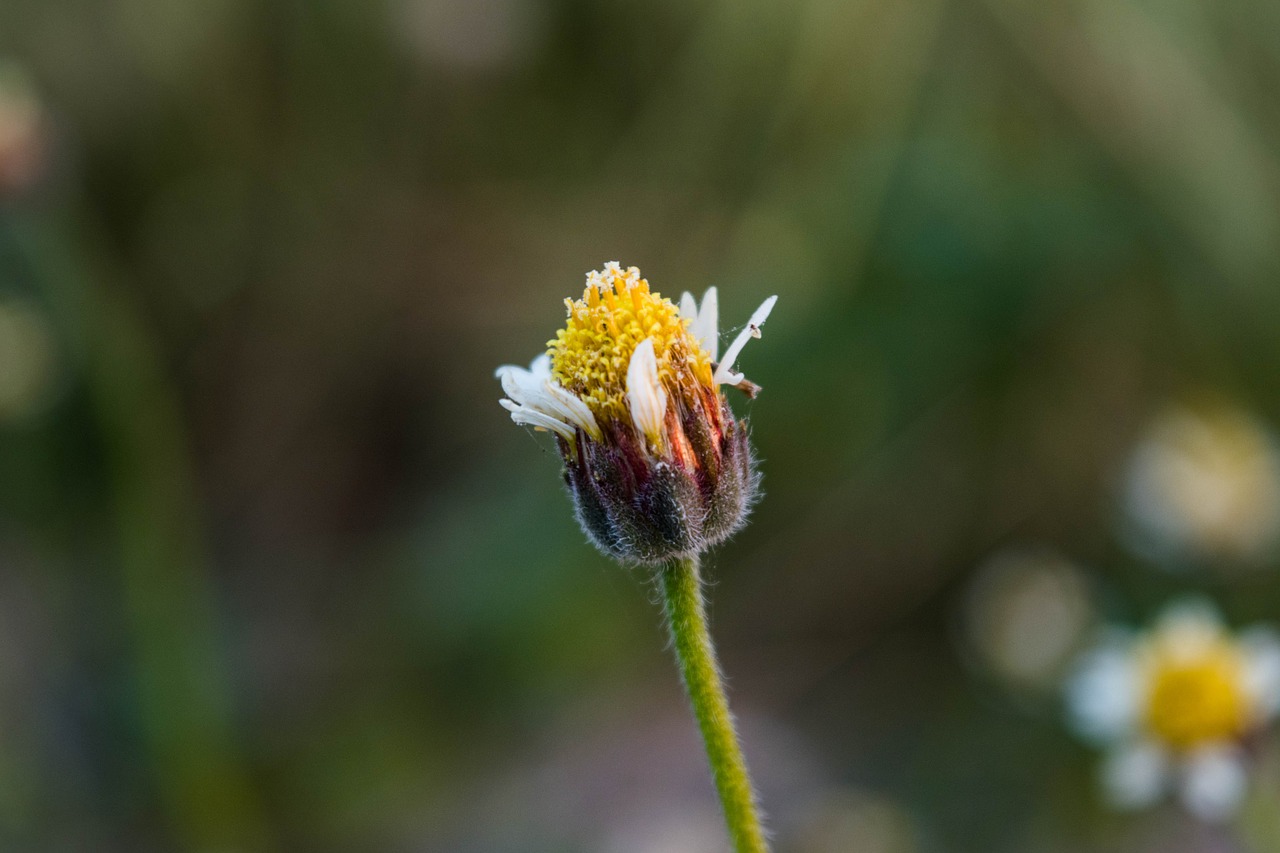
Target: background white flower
(1173, 705)
(1205, 483)
(1026, 615)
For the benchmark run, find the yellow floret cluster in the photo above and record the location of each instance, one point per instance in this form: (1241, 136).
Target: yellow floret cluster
(590, 355)
(1197, 699)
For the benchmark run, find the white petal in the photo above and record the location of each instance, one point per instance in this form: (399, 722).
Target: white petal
(707, 326)
(1261, 649)
(541, 366)
(1213, 782)
(688, 307)
(1104, 692)
(538, 420)
(561, 404)
(535, 390)
(703, 322)
(724, 374)
(1134, 775)
(519, 384)
(645, 395)
(1187, 627)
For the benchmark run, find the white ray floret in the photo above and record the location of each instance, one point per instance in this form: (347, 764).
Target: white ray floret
(537, 420)
(1134, 776)
(537, 400)
(1188, 627)
(1261, 649)
(646, 398)
(704, 322)
(1104, 693)
(724, 374)
(704, 325)
(1213, 782)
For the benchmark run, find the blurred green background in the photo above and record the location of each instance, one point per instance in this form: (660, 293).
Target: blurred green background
(276, 571)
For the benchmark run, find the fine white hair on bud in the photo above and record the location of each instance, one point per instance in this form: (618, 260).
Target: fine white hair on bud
(645, 395)
(724, 373)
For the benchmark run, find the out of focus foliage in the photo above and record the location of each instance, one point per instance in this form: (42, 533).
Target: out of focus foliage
(277, 573)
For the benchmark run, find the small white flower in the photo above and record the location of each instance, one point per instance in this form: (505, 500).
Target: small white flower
(1172, 706)
(1205, 483)
(1026, 614)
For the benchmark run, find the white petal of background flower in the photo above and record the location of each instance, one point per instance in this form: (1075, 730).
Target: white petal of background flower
(1205, 482)
(1261, 649)
(1213, 782)
(645, 395)
(1188, 626)
(1134, 775)
(724, 373)
(1104, 692)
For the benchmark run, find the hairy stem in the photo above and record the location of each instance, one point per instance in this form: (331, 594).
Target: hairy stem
(687, 619)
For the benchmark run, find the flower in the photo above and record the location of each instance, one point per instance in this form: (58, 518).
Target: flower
(1205, 483)
(656, 463)
(1175, 706)
(1026, 615)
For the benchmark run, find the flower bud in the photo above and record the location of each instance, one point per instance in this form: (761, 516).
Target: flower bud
(656, 463)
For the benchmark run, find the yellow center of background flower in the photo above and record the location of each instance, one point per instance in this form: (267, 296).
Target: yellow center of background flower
(590, 355)
(1199, 699)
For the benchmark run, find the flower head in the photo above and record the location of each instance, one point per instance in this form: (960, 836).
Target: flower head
(1174, 707)
(655, 460)
(1204, 483)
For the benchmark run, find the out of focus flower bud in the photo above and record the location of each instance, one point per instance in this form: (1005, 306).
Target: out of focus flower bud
(1027, 613)
(1205, 484)
(23, 131)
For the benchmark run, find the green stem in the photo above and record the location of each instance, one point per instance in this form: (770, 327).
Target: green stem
(687, 619)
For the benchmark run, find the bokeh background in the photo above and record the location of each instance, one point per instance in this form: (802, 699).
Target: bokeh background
(277, 573)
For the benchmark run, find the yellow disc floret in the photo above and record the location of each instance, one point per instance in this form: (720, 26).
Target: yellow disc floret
(1198, 698)
(590, 355)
